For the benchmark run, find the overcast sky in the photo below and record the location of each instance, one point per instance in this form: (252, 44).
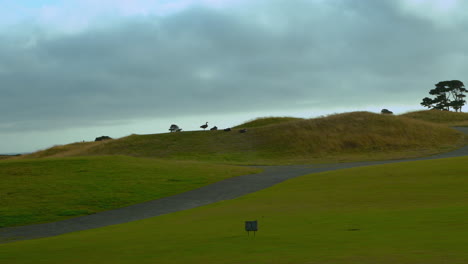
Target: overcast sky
(77, 69)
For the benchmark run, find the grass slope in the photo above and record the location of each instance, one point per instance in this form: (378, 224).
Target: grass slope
(411, 212)
(266, 121)
(340, 137)
(441, 117)
(34, 191)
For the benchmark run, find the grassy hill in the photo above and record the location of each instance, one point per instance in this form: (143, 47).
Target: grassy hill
(44, 190)
(412, 212)
(339, 137)
(440, 117)
(266, 121)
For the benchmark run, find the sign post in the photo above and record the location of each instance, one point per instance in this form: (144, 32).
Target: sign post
(251, 226)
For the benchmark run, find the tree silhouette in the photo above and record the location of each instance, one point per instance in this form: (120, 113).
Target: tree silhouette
(175, 128)
(448, 94)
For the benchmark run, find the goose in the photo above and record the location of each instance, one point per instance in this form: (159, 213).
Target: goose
(243, 130)
(214, 128)
(227, 129)
(204, 126)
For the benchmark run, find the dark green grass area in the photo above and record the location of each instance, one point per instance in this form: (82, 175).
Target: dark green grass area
(414, 212)
(34, 191)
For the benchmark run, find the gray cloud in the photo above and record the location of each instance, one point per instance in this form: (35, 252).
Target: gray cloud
(267, 55)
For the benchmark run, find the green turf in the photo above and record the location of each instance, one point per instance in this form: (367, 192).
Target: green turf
(413, 212)
(34, 191)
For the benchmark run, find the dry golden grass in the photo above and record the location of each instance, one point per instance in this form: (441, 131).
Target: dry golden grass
(73, 149)
(266, 121)
(4, 157)
(442, 117)
(340, 137)
(357, 131)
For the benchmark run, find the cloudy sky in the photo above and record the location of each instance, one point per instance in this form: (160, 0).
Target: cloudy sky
(72, 70)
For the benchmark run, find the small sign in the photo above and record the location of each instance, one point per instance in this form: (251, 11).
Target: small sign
(251, 226)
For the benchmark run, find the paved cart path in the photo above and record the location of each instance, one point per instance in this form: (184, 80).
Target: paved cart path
(223, 190)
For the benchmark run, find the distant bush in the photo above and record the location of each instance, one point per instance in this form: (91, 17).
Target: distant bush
(101, 138)
(175, 128)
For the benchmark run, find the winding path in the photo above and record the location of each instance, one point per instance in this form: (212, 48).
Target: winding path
(223, 190)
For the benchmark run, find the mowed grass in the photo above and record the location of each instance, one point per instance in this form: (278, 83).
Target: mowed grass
(341, 137)
(35, 191)
(413, 212)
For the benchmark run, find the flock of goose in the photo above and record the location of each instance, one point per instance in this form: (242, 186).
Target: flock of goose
(175, 128)
(226, 129)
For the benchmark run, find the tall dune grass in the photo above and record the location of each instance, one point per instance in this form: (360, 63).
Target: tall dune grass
(441, 117)
(266, 121)
(73, 149)
(348, 136)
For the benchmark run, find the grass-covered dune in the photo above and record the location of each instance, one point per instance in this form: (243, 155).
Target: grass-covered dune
(412, 212)
(44, 190)
(340, 137)
(266, 121)
(442, 117)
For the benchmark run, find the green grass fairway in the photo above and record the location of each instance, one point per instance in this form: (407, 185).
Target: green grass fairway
(34, 191)
(415, 212)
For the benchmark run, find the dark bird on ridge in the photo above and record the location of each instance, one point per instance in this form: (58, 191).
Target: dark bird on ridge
(204, 126)
(214, 128)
